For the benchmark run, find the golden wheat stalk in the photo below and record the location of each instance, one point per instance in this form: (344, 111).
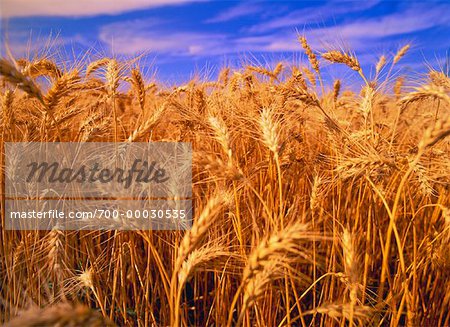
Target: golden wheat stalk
(8, 112)
(270, 130)
(380, 64)
(264, 263)
(42, 67)
(273, 75)
(191, 241)
(336, 90)
(363, 314)
(222, 135)
(137, 82)
(95, 65)
(440, 79)
(351, 270)
(310, 76)
(146, 126)
(401, 53)
(425, 92)
(61, 88)
(15, 77)
(311, 55)
(342, 58)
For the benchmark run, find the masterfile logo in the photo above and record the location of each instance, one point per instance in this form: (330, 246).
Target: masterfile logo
(140, 171)
(98, 185)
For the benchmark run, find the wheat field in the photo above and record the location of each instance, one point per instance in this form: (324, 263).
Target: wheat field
(316, 204)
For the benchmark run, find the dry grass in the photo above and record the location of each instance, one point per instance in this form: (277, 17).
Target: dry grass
(313, 206)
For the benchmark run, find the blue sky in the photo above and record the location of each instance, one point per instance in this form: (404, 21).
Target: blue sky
(181, 38)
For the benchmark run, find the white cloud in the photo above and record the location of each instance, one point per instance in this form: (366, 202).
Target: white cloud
(316, 15)
(137, 36)
(238, 11)
(360, 35)
(411, 20)
(23, 44)
(67, 8)
(132, 37)
(268, 43)
(158, 36)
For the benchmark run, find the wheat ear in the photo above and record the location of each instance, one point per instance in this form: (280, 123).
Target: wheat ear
(137, 82)
(342, 58)
(42, 67)
(401, 53)
(265, 261)
(62, 87)
(95, 65)
(311, 55)
(191, 241)
(8, 113)
(440, 79)
(15, 77)
(222, 135)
